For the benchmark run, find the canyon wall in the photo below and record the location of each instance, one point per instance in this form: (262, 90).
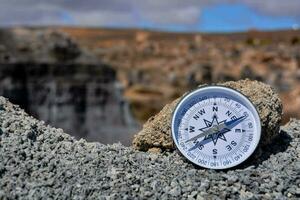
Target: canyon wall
(72, 92)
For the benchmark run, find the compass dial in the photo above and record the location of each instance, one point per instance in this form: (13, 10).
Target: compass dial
(216, 127)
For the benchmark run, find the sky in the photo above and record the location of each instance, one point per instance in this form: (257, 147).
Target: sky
(167, 15)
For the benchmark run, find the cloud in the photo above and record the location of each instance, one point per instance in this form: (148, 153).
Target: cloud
(174, 12)
(127, 13)
(103, 18)
(43, 12)
(276, 7)
(101, 12)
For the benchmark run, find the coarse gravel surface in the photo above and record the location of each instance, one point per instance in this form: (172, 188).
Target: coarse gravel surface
(41, 162)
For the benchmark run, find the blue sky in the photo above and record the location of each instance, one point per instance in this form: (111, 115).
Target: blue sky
(240, 17)
(169, 15)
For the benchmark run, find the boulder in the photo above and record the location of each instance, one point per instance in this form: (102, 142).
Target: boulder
(156, 132)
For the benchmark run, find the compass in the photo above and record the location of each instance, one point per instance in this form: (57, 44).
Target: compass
(216, 127)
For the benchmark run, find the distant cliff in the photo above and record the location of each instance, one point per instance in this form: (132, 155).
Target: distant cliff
(49, 76)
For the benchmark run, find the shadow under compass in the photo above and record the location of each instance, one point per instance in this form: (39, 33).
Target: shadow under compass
(279, 144)
(262, 153)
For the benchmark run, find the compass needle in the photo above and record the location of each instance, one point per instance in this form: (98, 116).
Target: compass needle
(204, 133)
(231, 124)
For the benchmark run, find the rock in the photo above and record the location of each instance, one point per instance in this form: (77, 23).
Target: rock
(62, 47)
(156, 132)
(176, 191)
(154, 150)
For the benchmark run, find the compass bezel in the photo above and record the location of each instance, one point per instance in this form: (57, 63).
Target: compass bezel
(218, 89)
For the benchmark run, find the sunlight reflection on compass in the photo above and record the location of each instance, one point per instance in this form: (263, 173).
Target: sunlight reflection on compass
(216, 127)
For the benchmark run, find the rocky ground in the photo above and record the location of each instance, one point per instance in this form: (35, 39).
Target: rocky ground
(41, 162)
(148, 70)
(158, 67)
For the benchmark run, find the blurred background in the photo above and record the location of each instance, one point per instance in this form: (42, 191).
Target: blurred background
(99, 69)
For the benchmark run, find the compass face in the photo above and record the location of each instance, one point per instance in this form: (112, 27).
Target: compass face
(216, 127)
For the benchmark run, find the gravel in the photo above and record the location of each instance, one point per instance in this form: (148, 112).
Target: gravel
(41, 162)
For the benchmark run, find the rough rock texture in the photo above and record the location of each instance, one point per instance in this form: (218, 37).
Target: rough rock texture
(40, 162)
(156, 132)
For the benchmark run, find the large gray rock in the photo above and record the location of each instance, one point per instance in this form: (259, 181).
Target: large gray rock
(156, 132)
